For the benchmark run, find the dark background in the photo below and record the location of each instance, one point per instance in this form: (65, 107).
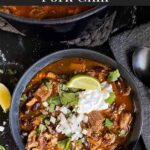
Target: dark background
(21, 52)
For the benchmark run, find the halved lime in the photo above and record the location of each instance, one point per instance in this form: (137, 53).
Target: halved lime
(5, 97)
(84, 82)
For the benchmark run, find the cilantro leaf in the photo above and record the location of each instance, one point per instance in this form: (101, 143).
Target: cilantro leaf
(69, 98)
(113, 76)
(79, 142)
(54, 100)
(47, 122)
(47, 83)
(122, 133)
(11, 71)
(43, 116)
(41, 128)
(111, 98)
(63, 87)
(64, 144)
(23, 98)
(51, 108)
(108, 123)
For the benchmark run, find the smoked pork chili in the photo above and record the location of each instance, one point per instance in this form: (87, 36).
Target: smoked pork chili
(48, 106)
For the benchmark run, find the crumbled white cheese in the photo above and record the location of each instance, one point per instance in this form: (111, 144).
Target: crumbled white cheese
(45, 104)
(2, 128)
(90, 100)
(53, 120)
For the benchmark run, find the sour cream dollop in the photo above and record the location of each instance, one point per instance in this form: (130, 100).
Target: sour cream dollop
(90, 100)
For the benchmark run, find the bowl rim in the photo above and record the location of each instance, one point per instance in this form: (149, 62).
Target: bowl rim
(64, 20)
(76, 52)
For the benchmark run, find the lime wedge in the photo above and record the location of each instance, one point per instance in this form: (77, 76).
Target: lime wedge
(5, 97)
(84, 82)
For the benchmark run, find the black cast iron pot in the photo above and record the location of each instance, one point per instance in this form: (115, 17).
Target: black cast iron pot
(14, 110)
(55, 29)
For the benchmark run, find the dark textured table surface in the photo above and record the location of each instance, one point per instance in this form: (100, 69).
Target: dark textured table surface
(17, 52)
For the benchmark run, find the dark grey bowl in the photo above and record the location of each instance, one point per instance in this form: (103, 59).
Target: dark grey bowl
(55, 29)
(14, 110)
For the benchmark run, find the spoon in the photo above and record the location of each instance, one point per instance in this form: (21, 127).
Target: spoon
(141, 64)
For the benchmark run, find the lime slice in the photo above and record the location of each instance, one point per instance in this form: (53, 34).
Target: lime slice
(5, 97)
(84, 82)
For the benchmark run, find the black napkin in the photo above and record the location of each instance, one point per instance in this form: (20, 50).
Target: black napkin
(96, 32)
(6, 26)
(122, 46)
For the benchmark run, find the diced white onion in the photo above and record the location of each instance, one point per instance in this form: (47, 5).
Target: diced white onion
(64, 110)
(84, 131)
(57, 108)
(76, 136)
(53, 120)
(45, 104)
(85, 120)
(89, 100)
(83, 140)
(70, 125)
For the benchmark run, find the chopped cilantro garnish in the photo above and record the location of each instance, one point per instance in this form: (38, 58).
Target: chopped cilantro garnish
(23, 97)
(51, 108)
(113, 76)
(54, 100)
(2, 148)
(42, 116)
(79, 142)
(64, 144)
(122, 133)
(69, 98)
(41, 128)
(63, 87)
(47, 122)
(108, 123)
(11, 71)
(47, 83)
(111, 98)
(75, 109)
(68, 113)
